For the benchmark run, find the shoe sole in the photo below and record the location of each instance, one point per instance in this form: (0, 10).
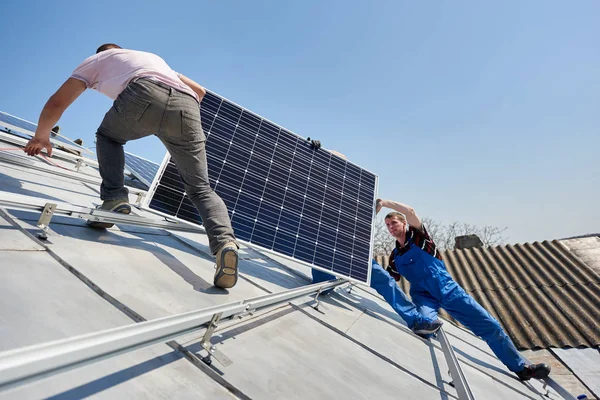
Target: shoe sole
(541, 375)
(121, 209)
(428, 332)
(227, 275)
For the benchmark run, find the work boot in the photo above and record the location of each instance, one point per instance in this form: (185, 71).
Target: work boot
(226, 275)
(426, 328)
(118, 205)
(537, 371)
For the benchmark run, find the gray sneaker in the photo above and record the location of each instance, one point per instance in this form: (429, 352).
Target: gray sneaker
(226, 275)
(118, 205)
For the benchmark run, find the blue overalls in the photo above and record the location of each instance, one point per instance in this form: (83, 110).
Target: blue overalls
(386, 286)
(432, 287)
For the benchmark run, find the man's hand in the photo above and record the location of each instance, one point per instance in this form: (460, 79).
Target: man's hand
(35, 146)
(407, 211)
(314, 144)
(378, 206)
(195, 86)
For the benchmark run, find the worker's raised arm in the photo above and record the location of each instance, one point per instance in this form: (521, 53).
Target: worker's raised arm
(195, 86)
(53, 110)
(408, 211)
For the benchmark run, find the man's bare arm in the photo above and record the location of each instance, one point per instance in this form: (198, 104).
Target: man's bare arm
(408, 211)
(53, 110)
(195, 86)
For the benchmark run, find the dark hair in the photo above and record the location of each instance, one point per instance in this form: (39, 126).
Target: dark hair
(107, 46)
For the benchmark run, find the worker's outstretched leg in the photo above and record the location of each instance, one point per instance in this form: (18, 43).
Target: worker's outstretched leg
(471, 314)
(386, 286)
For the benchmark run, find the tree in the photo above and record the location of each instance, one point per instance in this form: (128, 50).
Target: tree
(444, 236)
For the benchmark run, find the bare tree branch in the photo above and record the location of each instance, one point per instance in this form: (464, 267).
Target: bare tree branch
(383, 241)
(444, 236)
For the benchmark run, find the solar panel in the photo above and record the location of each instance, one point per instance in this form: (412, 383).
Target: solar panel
(142, 169)
(282, 195)
(25, 129)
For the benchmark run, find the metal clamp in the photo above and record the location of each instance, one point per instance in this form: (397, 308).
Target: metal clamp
(139, 198)
(44, 221)
(249, 310)
(211, 349)
(546, 388)
(316, 307)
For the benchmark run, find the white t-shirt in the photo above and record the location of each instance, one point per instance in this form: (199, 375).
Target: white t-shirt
(110, 71)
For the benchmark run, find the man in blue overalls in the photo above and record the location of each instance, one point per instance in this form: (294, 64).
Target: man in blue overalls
(431, 287)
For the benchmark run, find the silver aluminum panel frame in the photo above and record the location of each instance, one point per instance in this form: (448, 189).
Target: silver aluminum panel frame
(373, 225)
(152, 188)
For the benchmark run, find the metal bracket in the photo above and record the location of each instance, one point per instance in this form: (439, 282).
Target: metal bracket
(316, 307)
(546, 388)
(211, 349)
(78, 164)
(249, 311)
(44, 221)
(350, 286)
(450, 382)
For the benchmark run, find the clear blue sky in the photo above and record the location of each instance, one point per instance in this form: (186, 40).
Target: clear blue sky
(482, 112)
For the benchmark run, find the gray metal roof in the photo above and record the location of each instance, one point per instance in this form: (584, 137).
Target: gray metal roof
(83, 280)
(583, 362)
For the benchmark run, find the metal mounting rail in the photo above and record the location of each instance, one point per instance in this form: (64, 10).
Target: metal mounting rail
(462, 386)
(42, 360)
(22, 202)
(458, 376)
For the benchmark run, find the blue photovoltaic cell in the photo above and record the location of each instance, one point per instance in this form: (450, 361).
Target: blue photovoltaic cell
(142, 169)
(281, 194)
(26, 130)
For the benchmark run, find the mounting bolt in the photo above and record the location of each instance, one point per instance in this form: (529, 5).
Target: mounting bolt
(207, 360)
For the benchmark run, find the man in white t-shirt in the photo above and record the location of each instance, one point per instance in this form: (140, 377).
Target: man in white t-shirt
(149, 99)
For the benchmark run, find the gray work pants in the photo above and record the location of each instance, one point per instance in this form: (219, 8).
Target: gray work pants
(145, 108)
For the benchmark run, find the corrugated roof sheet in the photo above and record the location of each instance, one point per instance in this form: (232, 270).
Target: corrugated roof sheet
(541, 292)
